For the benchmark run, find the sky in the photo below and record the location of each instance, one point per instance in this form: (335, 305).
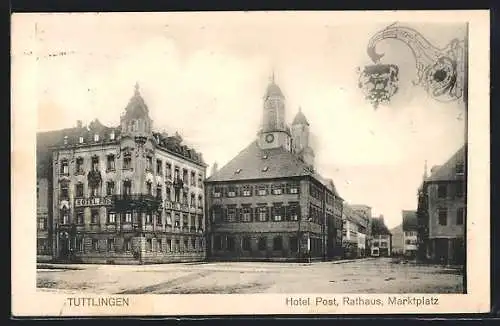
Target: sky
(204, 75)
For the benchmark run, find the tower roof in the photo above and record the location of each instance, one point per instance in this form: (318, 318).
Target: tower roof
(273, 89)
(300, 119)
(136, 107)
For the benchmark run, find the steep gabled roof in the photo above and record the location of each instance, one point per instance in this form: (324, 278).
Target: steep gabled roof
(300, 119)
(409, 220)
(256, 163)
(447, 171)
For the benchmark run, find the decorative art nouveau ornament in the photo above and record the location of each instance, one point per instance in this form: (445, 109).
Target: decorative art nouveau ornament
(379, 83)
(440, 72)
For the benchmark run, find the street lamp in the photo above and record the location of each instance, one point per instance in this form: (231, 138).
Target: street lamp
(440, 71)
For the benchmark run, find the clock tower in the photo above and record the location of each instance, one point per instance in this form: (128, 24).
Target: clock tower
(274, 132)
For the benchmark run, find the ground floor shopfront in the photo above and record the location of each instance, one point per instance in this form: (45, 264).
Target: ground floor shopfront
(449, 251)
(266, 246)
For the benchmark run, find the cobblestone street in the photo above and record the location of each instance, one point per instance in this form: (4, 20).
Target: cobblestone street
(379, 275)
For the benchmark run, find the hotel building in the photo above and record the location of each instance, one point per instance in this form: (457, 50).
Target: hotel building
(122, 194)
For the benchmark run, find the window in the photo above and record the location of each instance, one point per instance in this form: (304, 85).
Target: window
(177, 220)
(247, 191)
(37, 192)
(217, 192)
(231, 214)
(200, 181)
(185, 220)
(95, 245)
(112, 135)
(79, 216)
(193, 200)
(375, 243)
(42, 223)
(94, 216)
(246, 215)
(111, 217)
(127, 187)
(127, 245)
(149, 163)
(200, 201)
(169, 244)
(230, 243)
(95, 163)
(110, 163)
(277, 243)
(246, 244)
(441, 191)
(383, 244)
(168, 170)
(64, 167)
(218, 242)
(262, 244)
(460, 216)
(277, 190)
(177, 245)
(185, 198)
(149, 245)
(110, 188)
(186, 245)
(185, 176)
(64, 190)
(193, 243)
(159, 166)
(231, 191)
(459, 168)
(293, 212)
(459, 190)
(127, 161)
(277, 212)
(79, 165)
(94, 190)
(193, 178)
(159, 245)
(80, 140)
(149, 218)
(442, 216)
(149, 188)
(79, 190)
(168, 218)
(96, 137)
(262, 191)
(80, 245)
(294, 245)
(111, 244)
(200, 222)
(158, 192)
(293, 189)
(262, 213)
(157, 218)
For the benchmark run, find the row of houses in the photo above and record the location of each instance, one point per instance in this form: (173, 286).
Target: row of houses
(130, 194)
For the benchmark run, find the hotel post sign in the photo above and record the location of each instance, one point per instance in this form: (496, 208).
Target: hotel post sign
(97, 201)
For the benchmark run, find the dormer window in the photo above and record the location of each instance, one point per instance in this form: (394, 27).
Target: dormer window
(65, 140)
(80, 140)
(231, 192)
(264, 157)
(237, 171)
(265, 168)
(112, 135)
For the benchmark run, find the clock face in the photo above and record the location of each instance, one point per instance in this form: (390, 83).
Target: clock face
(270, 138)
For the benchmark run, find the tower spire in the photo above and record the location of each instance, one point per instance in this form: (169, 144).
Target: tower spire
(136, 88)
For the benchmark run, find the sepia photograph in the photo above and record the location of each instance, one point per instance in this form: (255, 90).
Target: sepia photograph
(235, 153)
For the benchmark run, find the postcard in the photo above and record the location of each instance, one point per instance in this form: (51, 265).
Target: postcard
(250, 163)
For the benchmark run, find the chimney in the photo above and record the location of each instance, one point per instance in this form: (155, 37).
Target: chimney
(79, 124)
(214, 168)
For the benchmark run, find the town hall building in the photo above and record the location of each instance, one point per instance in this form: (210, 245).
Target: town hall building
(269, 202)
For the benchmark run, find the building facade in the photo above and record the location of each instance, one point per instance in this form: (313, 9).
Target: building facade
(397, 240)
(381, 240)
(410, 239)
(268, 202)
(354, 232)
(442, 209)
(123, 194)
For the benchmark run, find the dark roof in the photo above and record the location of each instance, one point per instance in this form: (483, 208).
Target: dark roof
(379, 227)
(300, 119)
(256, 163)
(409, 220)
(447, 171)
